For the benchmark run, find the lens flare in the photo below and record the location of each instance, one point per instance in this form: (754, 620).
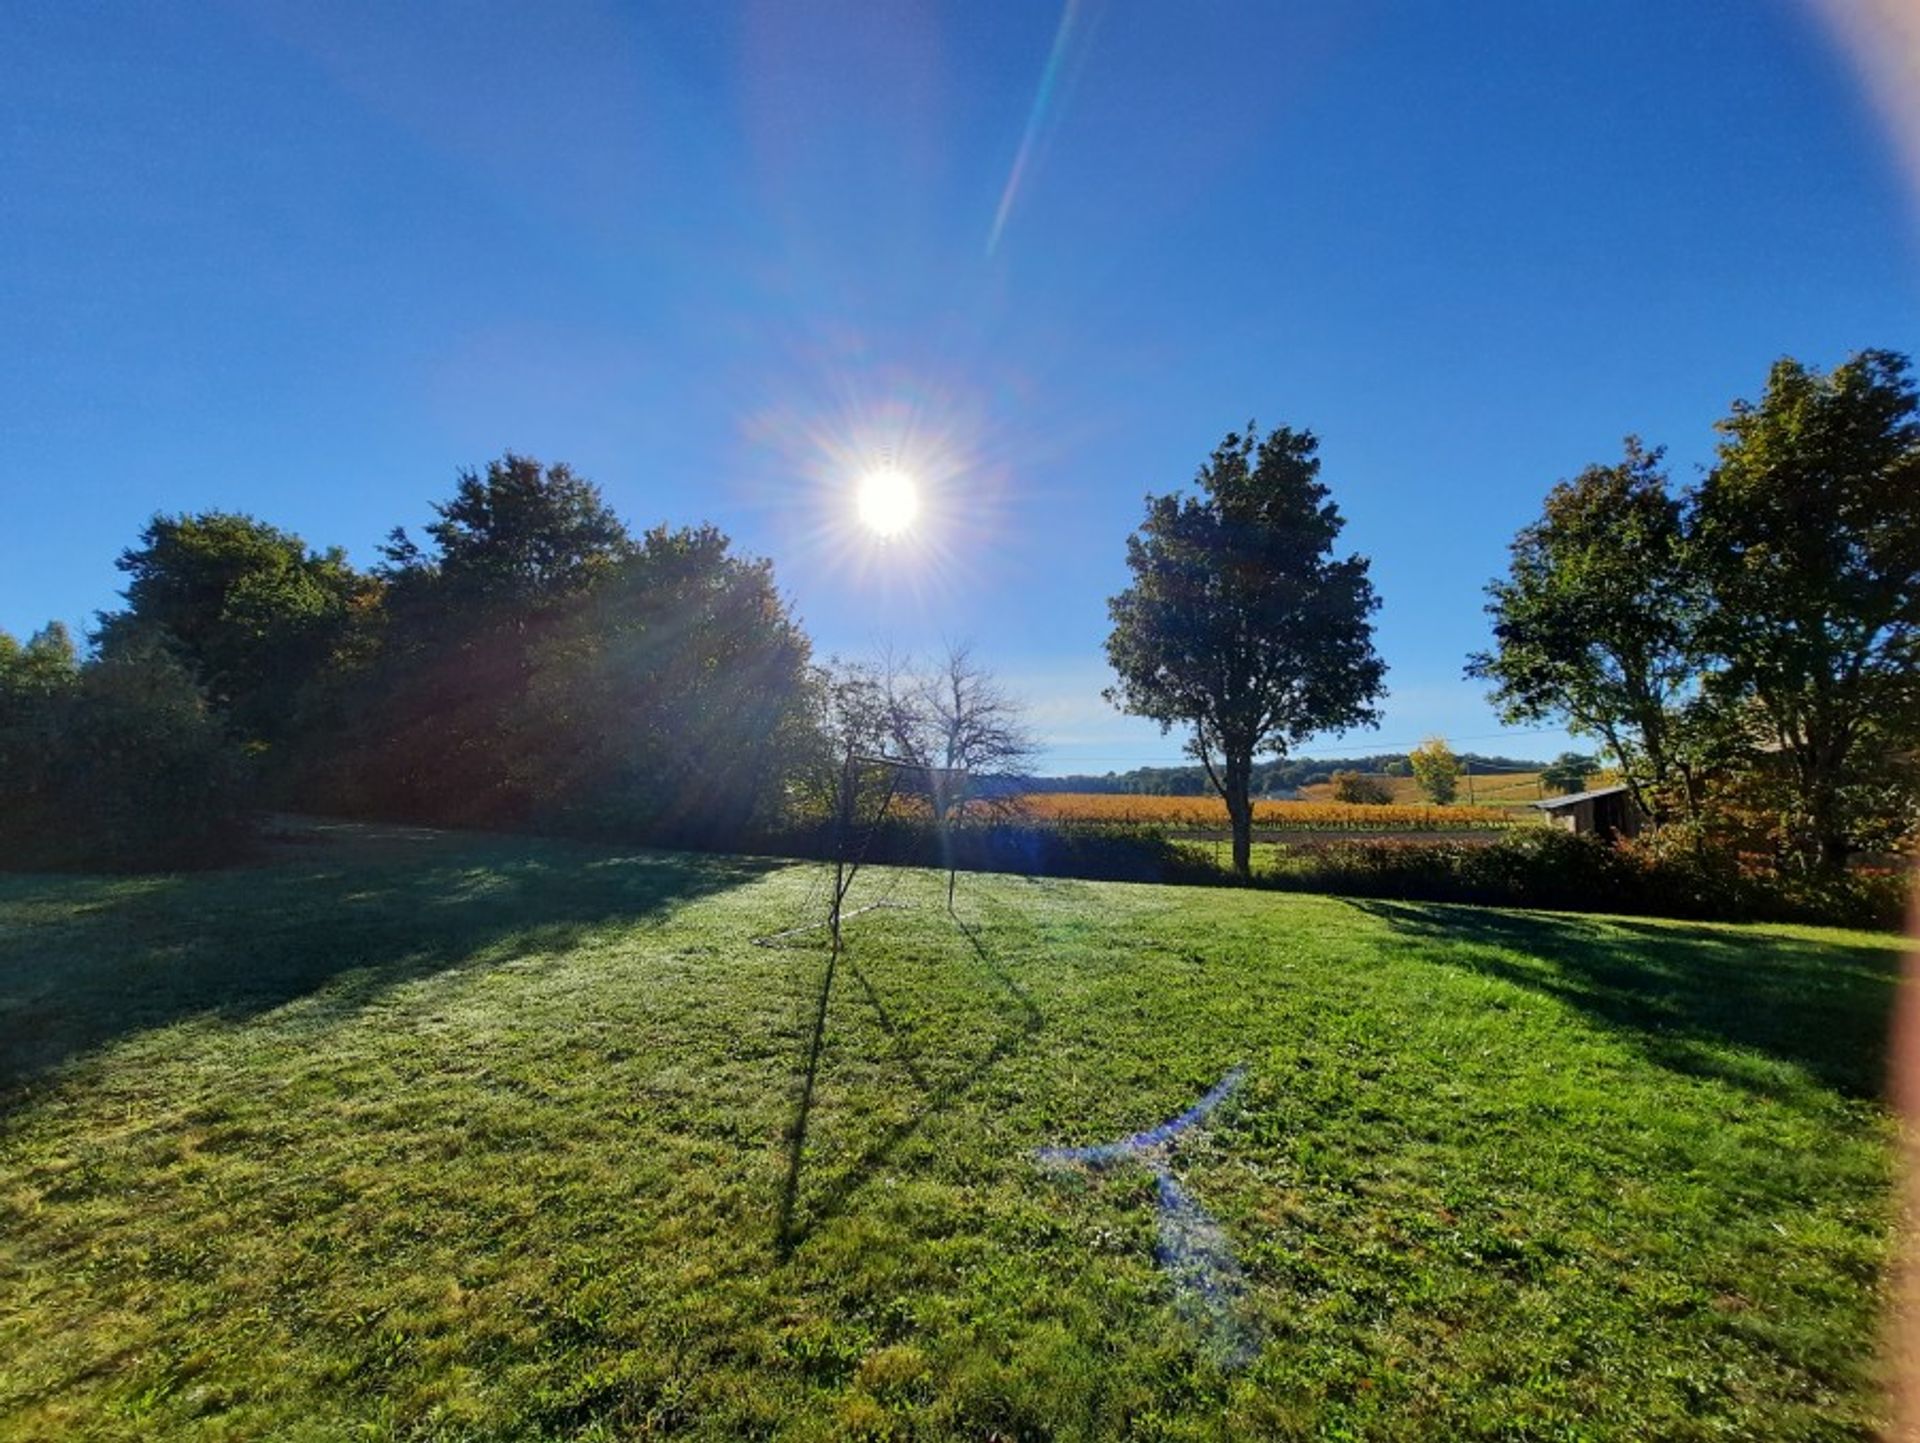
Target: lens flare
(889, 501)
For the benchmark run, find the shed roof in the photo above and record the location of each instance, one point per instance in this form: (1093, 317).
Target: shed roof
(1554, 804)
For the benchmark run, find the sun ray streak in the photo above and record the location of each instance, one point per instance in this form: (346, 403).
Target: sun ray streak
(1036, 117)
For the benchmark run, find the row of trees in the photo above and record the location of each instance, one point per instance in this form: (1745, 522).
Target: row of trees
(1437, 770)
(1770, 611)
(527, 662)
(1745, 650)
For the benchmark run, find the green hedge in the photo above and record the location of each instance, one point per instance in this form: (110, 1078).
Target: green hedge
(1557, 871)
(1530, 867)
(126, 769)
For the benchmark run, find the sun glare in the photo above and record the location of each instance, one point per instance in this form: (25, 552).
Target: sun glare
(889, 501)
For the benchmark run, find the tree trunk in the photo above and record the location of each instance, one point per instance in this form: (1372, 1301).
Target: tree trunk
(1830, 844)
(1235, 784)
(1826, 830)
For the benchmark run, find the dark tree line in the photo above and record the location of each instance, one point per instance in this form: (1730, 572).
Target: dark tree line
(528, 662)
(115, 763)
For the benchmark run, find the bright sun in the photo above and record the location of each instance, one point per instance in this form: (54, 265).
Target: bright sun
(889, 501)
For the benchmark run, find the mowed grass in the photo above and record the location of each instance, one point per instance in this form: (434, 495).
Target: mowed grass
(418, 1137)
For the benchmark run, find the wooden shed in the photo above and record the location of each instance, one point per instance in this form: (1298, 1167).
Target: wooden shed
(1602, 812)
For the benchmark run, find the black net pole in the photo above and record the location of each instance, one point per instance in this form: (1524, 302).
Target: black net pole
(842, 825)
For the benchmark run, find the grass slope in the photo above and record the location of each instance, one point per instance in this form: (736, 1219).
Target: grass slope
(420, 1137)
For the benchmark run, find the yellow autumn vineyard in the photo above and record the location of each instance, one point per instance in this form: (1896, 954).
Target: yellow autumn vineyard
(1120, 808)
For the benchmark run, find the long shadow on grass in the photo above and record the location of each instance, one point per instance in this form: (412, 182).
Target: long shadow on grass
(87, 960)
(1680, 991)
(937, 1097)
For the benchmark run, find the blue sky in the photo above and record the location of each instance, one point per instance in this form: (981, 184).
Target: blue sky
(308, 261)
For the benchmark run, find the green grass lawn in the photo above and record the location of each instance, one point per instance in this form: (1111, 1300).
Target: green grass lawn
(416, 1137)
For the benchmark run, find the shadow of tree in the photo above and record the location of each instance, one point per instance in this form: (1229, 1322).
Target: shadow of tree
(346, 914)
(1682, 992)
(1021, 1021)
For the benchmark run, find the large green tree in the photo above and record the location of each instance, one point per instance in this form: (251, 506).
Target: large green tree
(1239, 622)
(675, 701)
(1595, 625)
(117, 763)
(1807, 535)
(248, 608)
(440, 727)
(517, 536)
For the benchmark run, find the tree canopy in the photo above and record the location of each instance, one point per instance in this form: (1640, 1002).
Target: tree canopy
(248, 608)
(1762, 626)
(1807, 533)
(1596, 623)
(438, 724)
(1239, 622)
(518, 534)
(120, 762)
(675, 699)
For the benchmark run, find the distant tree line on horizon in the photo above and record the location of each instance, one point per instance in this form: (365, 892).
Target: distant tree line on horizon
(1276, 778)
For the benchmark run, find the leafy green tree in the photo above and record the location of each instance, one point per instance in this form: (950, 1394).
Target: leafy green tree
(1437, 770)
(676, 701)
(440, 725)
(1595, 626)
(1239, 622)
(247, 607)
(518, 535)
(35, 681)
(46, 665)
(1568, 772)
(1807, 535)
(120, 763)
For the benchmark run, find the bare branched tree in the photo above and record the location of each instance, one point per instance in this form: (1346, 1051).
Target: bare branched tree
(947, 732)
(953, 719)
